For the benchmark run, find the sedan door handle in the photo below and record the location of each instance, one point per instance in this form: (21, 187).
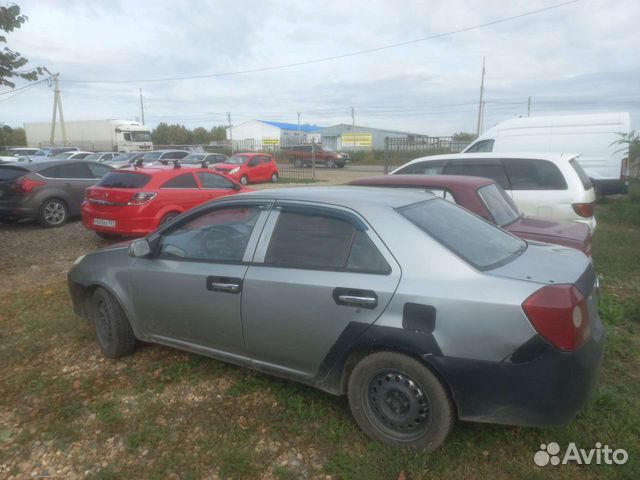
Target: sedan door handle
(224, 284)
(350, 297)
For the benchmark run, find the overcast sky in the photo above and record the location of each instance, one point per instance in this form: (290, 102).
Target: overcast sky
(583, 57)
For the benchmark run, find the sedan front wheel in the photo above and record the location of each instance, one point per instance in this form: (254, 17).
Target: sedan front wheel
(113, 329)
(397, 401)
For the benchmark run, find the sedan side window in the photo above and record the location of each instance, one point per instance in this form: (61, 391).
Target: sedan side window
(479, 168)
(319, 241)
(98, 170)
(181, 181)
(220, 235)
(211, 180)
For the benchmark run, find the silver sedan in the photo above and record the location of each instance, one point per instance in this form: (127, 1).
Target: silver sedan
(418, 310)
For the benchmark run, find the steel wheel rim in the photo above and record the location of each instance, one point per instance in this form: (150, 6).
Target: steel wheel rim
(244, 180)
(397, 405)
(54, 213)
(103, 322)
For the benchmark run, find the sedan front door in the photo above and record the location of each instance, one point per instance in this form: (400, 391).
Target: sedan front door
(189, 292)
(319, 274)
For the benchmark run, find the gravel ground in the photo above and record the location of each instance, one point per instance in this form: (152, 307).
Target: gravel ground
(31, 255)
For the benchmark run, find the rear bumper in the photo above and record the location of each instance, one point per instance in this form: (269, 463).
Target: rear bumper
(548, 390)
(17, 207)
(129, 223)
(611, 187)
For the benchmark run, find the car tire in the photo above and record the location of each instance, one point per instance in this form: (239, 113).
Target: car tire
(168, 218)
(53, 213)
(107, 236)
(398, 401)
(114, 332)
(244, 180)
(275, 178)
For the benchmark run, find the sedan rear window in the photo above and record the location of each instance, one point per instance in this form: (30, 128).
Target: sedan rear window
(479, 243)
(124, 180)
(11, 173)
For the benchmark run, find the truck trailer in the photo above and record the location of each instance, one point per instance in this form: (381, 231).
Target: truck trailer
(93, 135)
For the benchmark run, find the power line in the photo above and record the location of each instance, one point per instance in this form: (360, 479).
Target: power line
(26, 86)
(337, 57)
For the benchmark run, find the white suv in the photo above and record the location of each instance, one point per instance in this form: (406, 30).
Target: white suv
(551, 185)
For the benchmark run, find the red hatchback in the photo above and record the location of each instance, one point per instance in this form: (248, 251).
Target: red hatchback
(134, 202)
(486, 198)
(250, 168)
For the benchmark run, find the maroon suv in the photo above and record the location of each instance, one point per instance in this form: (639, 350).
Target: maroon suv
(303, 156)
(487, 199)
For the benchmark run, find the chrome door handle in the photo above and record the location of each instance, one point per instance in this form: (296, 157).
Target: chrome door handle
(224, 284)
(356, 300)
(352, 297)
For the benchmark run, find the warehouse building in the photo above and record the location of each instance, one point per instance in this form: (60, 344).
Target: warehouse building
(355, 137)
(257, 134)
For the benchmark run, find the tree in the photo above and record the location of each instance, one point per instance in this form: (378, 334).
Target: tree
(219, 133)
(630, 143)
(464, 137)
(201, 136)
(10, 60)
(165, 134)
(12, 137)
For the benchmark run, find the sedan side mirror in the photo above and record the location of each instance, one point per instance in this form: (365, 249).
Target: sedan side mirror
(140, 248)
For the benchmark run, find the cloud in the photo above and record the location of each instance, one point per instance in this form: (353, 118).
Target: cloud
(578, 58)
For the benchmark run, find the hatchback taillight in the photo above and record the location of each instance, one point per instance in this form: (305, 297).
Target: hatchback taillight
(560, 314)
(141, 198)
(26, 185)
(583, 209)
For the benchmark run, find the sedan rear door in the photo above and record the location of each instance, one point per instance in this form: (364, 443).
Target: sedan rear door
(319, 275)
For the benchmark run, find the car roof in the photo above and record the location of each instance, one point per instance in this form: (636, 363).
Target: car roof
(166, 170)
(442, 181)
(557, 158)
(346, 196)
(38, 165)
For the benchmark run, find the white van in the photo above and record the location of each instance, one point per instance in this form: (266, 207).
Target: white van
(593, 136)
(550, 185)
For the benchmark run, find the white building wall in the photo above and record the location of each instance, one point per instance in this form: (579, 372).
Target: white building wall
(254, 130)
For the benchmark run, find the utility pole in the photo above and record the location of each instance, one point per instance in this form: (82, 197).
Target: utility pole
(481, 96)
(482, 117)
(353, 118)
(230, 131)
(57, 107)
(529, 107)
(141, 106)
(299, 141)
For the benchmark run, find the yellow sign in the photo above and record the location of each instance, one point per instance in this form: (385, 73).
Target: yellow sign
(270, 141)
(357, 140)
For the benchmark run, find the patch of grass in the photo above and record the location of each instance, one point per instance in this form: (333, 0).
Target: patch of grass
(298, 180)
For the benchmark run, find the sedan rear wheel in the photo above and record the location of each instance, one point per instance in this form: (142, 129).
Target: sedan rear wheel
(53, 213)
(113, 330)
(396, 400)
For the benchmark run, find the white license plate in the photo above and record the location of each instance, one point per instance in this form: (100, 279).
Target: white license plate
(101, 222)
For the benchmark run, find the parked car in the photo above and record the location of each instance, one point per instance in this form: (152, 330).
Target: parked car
(595, 136)
(208, 158)
(250, 168)
(53, 151)
(49, 191)
(166, 155)
(416, 309)
(549, 185)
(486, 198)
(12, 154)
(134, 202)
(124, 160)
(303, 156)
(71, 155)
(101, 157)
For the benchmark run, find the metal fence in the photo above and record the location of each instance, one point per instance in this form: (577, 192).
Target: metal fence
(398, 151)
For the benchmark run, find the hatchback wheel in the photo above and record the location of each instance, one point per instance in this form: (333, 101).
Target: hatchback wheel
(274, 178)
(113, 330)
(244, 180)
(168, 218)
(396, 400)
(53, 213)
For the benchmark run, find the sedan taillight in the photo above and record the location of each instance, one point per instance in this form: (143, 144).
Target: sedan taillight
(583, 209)
(560, 314)
(141, 198)
(26, 185)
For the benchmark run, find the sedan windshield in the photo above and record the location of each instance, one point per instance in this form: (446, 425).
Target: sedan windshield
(63, 155)
(94, 157)
(499, 204)
(479, 243)
(237, 159)
(123, 157)
(152, 155)
(193, 158)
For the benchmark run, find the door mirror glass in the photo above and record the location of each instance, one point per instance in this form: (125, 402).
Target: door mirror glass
(140, 248)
